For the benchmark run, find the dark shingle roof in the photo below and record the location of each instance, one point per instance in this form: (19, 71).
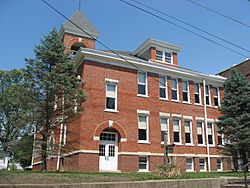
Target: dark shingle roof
(79, 19)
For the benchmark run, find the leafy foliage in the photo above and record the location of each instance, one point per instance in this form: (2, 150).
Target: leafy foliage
(235, 121)
(170, 171)
(55, 93)
(14, 112)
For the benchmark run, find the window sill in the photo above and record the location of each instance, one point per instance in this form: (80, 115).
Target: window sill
(189, 145)
(185, 102)
(173, 100)
(203, 170)
(110, 110)
(198, 104)
(189, 170)
(178, 144)
(144, 96)
(211, 145)
(142, 170)
(162, 143)
(163, 99)
(143, 142)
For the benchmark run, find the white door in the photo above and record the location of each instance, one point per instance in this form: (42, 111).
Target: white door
(108, 152)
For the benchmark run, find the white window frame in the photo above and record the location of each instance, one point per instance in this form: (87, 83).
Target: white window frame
(163, 55)
(203, 134)
(163, 87)
(188, 93)
(147, 167)
(165, 117)
(200, 102)
(212, 133)
(190, 170)
(221, 164)
(207, 95)
(114, 83)
(146, 114)
(146, 84)
(218, 97)
(177, 89)
(222, 138)
(180, 138)
(191, 131)
(205, 165)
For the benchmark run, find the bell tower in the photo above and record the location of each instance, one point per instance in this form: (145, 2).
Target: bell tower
(74, 38)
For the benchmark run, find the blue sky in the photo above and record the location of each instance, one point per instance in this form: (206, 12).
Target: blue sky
(24, 23)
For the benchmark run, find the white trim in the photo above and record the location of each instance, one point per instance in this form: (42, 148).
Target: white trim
(187, 117)
(199, 118)
(200, 100)
(111, 81)
(113, 59)
(116, 96)
(143, 112)
(147, 163)
(176, 115)
(177, 89)
(168, 132)
(97, 138)
(209, 96)
(163, 87)
(190, 170)
(180, 135)
(163, 114)
(124, 140)
(191, 132)
(188, 92)
(205, 165)
(210, 120)
(111, 110)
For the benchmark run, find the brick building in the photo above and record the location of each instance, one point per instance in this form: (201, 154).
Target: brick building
(132, 99)
(243, 67)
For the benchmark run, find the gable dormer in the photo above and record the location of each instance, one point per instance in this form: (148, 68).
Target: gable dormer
(158, 51)
(74, 38)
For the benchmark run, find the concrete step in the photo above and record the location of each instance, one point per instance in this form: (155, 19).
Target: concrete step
(234, 186)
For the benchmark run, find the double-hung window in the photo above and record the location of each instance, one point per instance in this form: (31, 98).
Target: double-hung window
(143, 163)
(163, 87)
(164, 129)
(197, 93)
(189, 164)
(159, 55)
(219, 164)
(142, 83)
(220, 137)
(111, 96)
(208, 99)
(188, 132)
(210, 133)
(164, 56)
(177, 131)
(216, 97)
(143, 128)
(174, 89)
(203, 166)
(185, 91)
(200, 133)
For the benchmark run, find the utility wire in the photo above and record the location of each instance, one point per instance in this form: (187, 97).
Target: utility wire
(218, 13)
(190, 25)
(184, 28)
(105, 46)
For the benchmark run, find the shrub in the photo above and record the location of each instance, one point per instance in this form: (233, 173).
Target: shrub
(171, 170)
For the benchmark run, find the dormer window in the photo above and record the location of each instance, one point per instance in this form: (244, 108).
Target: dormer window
(164, 56)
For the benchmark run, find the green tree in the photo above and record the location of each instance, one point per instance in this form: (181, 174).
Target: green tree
(22, 150)
(13, 108)
(235, 121)
(54, 88)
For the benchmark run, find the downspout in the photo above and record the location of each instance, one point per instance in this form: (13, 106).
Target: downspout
(33, 149)
(205, 122)
(60, 137)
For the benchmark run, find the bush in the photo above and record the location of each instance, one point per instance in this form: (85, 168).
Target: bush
(171, 170)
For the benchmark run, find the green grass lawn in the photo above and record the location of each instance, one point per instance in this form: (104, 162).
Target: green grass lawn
(12, 177)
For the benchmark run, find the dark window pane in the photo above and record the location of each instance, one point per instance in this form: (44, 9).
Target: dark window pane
(162, 136)
(174, 94)
(200, 139)
(142, 134)
(110, 103)
(219, 140)
(141, 89)
(207, 100)
(216, 102)
(187, 138)
(197, 98)
(185, 96)
(162, 92)
(176, 137)
(210, 139)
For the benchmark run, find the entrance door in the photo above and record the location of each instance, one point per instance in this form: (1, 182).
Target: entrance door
(108, 151)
